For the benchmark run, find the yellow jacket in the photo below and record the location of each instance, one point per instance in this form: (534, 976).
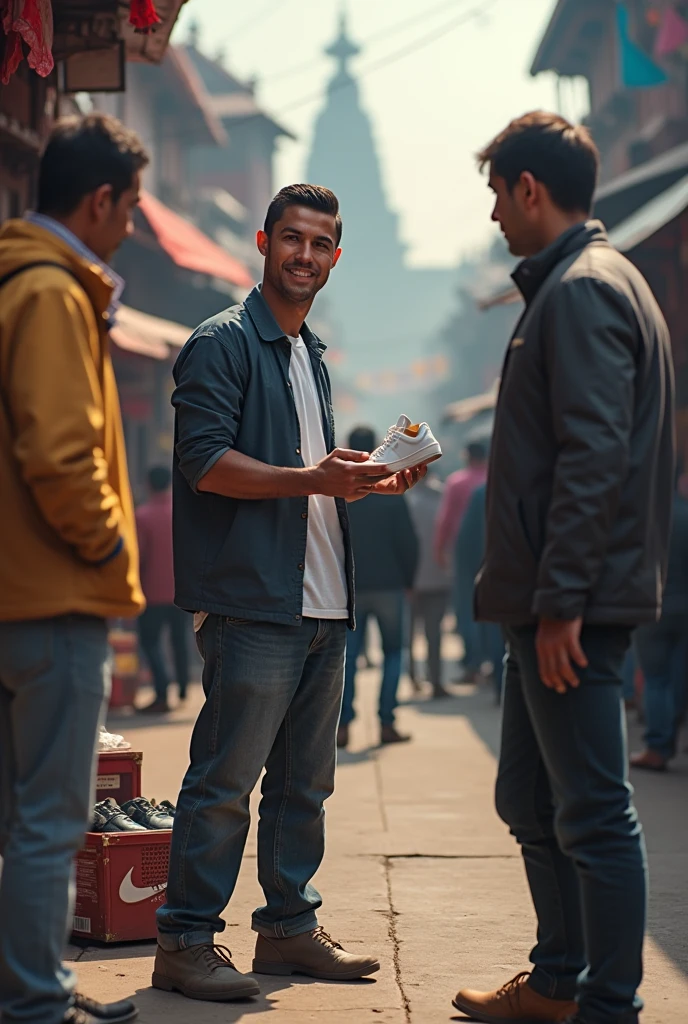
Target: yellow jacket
(65, 500)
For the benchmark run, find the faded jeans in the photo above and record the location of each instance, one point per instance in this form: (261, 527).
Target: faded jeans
(563, 791)
(387, 607)
(273, 694)
(662, 650)
(54, 681)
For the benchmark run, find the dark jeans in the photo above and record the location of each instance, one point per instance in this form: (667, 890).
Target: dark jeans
(151, 623)
(563, 791)
(466, 627)
(272, 700)
(490, 643)
(387, 606)
(54, 684)
(430, 607)
(662, 650)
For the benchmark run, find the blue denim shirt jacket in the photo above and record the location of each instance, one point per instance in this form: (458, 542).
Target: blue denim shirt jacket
(236, 557)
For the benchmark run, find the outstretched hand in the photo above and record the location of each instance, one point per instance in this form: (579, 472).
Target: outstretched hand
(401, 482)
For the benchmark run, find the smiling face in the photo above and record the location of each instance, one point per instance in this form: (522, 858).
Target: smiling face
(300, 252)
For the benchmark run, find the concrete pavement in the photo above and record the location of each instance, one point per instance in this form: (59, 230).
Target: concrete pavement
(419, 870)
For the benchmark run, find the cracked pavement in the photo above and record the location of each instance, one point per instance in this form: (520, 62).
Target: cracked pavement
(418, 870)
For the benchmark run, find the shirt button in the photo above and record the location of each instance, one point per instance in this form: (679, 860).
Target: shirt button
(301, 566)
(298, 451)
(298, 618)
(304, 515)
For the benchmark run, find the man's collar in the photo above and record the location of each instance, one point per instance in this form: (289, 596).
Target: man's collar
(81, 249)
(267, 326)
(531, 272)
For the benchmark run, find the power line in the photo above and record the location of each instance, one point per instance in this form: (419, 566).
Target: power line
(405, 51)
(386, 33)
(244, 26)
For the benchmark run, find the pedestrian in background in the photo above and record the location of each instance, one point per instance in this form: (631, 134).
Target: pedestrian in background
(457, 493)
(385, 555)
(432, 583)
(578, 514)
(469, 554)
(68, 554)
(154, 526)
(662, 651)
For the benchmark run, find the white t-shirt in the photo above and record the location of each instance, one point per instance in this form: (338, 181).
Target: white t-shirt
(324, 578)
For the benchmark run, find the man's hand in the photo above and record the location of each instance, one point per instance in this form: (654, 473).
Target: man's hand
(346, 474)
(558, 648)
(401, 482)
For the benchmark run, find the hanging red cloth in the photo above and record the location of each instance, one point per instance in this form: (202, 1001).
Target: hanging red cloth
(30, 21)
(143, 15)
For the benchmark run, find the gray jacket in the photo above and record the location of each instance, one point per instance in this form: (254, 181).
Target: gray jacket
(581, 471)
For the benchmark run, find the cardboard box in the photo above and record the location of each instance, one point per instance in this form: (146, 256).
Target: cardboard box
(119, 775)
(121, 879)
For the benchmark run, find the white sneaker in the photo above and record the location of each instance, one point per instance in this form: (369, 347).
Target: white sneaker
(407, 445)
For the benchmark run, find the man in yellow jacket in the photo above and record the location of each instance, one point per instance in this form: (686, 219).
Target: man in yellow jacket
(68, 555)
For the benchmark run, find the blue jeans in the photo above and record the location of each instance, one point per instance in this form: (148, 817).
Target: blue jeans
(563, 791)
(54, 680)
(272, 701)
(387, 606)
(467, 628)
(662, 650)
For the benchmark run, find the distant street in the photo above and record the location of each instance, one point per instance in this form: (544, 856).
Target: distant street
(419, 870)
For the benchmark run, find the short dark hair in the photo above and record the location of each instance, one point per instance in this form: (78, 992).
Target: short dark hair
(362, 439)
(316, 197)
(83, 153)
(557, 153)
(159, 478)
(477, 451)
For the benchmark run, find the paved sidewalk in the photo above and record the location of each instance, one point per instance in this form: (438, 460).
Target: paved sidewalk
(419, 870)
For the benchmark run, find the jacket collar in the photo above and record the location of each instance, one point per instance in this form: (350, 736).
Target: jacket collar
(531, 273)
(267, 326)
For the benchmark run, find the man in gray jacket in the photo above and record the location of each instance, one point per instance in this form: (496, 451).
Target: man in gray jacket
(578, 516)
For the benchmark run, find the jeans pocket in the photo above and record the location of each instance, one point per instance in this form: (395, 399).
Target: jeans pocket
(27, 650)
(233, 621)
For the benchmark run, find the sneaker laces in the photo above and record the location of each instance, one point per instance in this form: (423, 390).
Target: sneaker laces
(512, 989)
(213, 956)
(390, 436)
(320, 935)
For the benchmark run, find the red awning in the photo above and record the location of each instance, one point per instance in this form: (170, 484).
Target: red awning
(189, 247)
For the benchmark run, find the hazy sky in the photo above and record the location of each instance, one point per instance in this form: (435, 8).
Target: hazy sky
(431, 110)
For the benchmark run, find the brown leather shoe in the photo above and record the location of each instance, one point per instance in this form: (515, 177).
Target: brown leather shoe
(515, 1001)
(202, 972)
(388, 734)
(314, 954)
(649, 760)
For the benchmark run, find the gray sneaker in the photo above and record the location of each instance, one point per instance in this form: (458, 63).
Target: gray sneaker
(202, 972)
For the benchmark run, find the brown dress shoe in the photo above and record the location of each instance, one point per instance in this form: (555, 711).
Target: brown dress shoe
(515, 1001)
(649, 760)
(202, 972)
(314, 954)
(388, 734)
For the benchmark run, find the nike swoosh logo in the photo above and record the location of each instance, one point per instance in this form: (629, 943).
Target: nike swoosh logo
(130, 893)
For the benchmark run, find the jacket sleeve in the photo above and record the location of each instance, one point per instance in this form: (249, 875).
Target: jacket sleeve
(591, 346)
(56, 405)
(208, 400)
(405, 541)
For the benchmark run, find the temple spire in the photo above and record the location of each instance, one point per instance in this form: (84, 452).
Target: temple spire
(343, 48)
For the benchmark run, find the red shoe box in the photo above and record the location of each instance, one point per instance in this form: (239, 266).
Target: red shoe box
(121, 878)
(119, 775)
